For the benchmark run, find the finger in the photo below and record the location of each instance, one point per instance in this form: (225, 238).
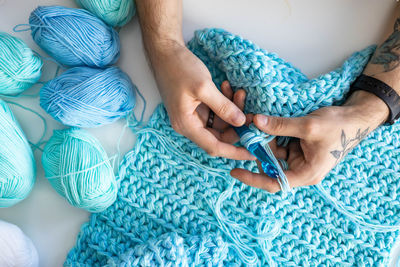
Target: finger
(279, 152)
(219, 124)
(262, 170)
(259, 166)
(282, 126)
(301, 172)
(222, 106)
(203, 112)
(249, 119)
(262, 181)
(258, 180)
(239, 98)
(228, 136)
(226, 89)
(214, 147)
(294, 151)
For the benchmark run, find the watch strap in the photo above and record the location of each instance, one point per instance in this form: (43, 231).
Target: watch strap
(381, 90)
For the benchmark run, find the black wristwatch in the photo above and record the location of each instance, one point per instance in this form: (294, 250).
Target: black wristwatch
(381, 90)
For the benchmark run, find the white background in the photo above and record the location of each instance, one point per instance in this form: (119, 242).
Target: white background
(312, 34)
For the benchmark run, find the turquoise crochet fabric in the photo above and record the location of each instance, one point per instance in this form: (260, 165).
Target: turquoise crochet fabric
(177, 206)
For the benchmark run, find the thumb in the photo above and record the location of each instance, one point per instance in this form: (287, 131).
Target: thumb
(282, 126)
(223, 107)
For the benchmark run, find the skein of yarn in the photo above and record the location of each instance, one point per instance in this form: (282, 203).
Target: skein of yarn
(17, 165)
(115, 13)
(88, 97)
(74, 37)
(78, 168)
(20, 68)
(16, 249)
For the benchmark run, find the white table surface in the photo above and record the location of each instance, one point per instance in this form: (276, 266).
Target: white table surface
(312, 34)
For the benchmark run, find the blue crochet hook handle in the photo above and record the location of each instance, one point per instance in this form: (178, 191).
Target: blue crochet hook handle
(258, 150)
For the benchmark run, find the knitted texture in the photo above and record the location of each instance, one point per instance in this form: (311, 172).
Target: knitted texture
(177, 206)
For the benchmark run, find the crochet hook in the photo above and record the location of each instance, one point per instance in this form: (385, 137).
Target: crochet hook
(253, 144)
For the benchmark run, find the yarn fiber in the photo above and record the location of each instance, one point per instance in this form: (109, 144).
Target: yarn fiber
(88, 97)
(17, 165)
(115, 13)
(169, 186)
(74, 37)
(20, 68)
(16, 249)
(78, 168)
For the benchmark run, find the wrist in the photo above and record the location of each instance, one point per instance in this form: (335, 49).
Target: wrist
(368, 107)
(162, 43)
(159, 50)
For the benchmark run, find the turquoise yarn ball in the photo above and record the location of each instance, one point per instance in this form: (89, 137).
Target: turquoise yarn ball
(74, 37)
(88, 97)
(115, 13)
(78, 168)
(20, 68)
(17, 165)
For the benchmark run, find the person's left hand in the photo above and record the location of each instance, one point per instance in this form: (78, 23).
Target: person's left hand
(322, 139)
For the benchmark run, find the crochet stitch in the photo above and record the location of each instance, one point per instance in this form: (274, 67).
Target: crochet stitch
(177, 206)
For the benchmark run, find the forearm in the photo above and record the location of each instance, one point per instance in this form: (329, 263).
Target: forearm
(383, 65)
(161, 25)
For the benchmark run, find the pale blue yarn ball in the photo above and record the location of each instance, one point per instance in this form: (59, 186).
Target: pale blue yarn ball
(79, 169)
(20, 68)
(88, 97)
(74, 37)
(115, 13)
(17, 165)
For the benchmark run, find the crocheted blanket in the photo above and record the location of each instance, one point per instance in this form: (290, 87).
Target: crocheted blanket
(177, 206)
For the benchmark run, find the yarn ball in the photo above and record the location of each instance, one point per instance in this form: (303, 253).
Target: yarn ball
(17, 165)
(87, 97)
(16, 249)
(20, 68)
(78, 168)
(74, 37)
(115, 13)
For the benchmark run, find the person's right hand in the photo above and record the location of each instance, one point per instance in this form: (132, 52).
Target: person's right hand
(189, 93)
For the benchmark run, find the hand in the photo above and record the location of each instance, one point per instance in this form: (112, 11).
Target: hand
(189, 93)
(322, 139)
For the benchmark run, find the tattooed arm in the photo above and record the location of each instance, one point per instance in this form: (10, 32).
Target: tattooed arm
(384, 64)
(325, 136)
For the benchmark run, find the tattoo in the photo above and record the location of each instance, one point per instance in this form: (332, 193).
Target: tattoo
(348, 144)
(388, 54)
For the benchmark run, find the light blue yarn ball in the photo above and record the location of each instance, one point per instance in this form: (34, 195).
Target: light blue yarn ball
(17, 165)
(74, 37)
(79, 169)
(115, 13)
(20, 68)
(87, 97)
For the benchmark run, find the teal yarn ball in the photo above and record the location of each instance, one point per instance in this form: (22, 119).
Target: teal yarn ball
(74, 37)
(17, 164)
(79, 169)
(88, 97)
(115, 13)
(20, 68)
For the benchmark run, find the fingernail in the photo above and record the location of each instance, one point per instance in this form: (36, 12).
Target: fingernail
(262, 119)
(239, 118)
